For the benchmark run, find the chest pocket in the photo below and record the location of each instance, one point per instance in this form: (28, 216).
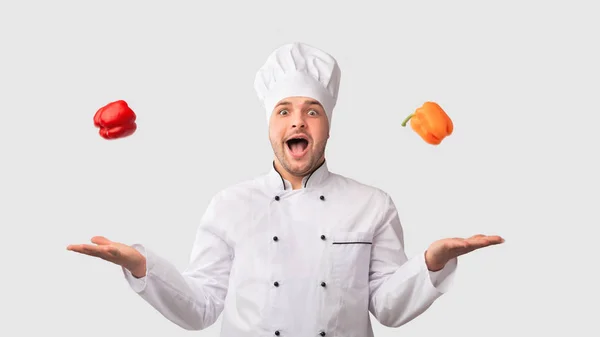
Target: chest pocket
(350, 257)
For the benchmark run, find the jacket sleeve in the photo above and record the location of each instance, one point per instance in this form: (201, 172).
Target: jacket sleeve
(400, 288)
(194, 298)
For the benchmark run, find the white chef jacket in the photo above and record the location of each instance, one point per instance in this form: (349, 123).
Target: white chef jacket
(295, 263)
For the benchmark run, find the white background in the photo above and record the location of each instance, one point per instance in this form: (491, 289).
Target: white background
(519, 79)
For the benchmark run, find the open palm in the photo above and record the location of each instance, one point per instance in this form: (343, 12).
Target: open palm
(115, 252)
(442, 251)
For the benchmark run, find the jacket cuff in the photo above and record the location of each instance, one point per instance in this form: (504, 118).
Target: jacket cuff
(139, 284)
(443, 279)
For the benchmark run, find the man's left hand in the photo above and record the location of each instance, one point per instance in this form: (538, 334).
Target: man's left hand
(442, 251)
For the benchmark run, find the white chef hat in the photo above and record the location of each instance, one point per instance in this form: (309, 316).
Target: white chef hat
(298, 69)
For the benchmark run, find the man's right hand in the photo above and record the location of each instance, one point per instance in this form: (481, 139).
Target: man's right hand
(115, 252)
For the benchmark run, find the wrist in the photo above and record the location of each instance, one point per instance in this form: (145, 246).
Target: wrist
(139, 270)
(432, 265)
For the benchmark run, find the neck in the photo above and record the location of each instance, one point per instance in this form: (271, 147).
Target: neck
(295, 180)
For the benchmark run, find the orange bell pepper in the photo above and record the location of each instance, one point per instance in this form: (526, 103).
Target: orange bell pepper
(430, 122)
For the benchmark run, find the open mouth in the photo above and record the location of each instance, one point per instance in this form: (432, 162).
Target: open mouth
(297, 145)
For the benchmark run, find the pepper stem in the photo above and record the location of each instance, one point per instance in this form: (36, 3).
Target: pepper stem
(407, 119)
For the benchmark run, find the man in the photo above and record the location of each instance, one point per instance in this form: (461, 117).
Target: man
(300, 251)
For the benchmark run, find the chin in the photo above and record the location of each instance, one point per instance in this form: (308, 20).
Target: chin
(298, 166)
(298, 163)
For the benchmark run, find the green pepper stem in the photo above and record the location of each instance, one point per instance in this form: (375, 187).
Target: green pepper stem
(407, 119)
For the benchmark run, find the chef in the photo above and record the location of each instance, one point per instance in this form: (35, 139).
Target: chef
(299, 251)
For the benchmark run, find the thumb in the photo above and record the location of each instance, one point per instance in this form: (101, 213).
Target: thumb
(101, 240)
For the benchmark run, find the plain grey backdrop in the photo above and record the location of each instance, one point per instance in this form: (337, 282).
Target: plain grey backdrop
(518, 78)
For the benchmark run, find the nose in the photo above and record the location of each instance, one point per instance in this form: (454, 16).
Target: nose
(298, 121)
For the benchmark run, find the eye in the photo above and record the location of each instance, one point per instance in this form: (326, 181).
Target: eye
(283, 112)
(313, 112)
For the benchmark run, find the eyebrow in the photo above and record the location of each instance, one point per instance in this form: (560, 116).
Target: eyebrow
(307, 102)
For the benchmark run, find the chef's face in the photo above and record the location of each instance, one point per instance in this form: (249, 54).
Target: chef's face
(298, 131)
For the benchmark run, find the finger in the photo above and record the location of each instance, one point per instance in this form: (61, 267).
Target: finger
(78, 248)
(84, 249)
(495, 239)
(477, 242)
(108, 253)
(100, 240)
(489, 240)
(485, 241)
